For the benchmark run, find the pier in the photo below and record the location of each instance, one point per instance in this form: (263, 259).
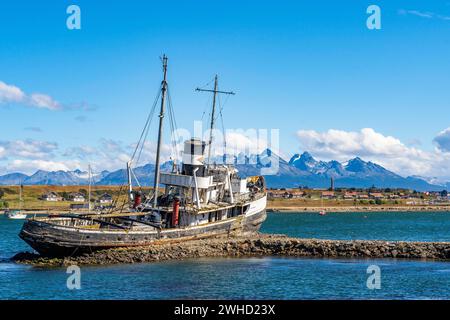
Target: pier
(254, 246)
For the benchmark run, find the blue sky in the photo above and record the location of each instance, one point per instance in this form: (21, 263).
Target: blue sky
(308, 66)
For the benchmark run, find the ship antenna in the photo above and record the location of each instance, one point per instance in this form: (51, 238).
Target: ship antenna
(160, 132)
(215, 92)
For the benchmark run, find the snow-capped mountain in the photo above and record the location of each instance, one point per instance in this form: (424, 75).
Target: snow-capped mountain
(60, 177)
(301, 170)
(15, 178)
(306, 162)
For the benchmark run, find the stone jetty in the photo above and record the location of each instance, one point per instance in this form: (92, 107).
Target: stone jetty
(254, 246)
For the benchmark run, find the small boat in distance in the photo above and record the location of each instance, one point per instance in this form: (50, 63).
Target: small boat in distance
(322, 212)
(17, 214)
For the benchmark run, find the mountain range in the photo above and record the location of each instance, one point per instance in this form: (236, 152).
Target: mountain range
(300, 170)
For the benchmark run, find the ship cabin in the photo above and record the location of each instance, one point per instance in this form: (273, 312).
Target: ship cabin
(202, 193)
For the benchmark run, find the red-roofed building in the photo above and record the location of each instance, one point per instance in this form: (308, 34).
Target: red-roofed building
(328, 194)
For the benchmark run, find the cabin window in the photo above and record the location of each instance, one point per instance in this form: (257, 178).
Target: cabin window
(245, 209)
(234, 212)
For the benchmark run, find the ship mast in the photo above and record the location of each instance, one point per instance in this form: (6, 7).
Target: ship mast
(160, 132)
(215, 92)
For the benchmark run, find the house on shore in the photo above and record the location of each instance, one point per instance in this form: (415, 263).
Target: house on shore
(296, 194)
(76, 197)
(277, 194)
(350, 195)
(105, 199)
(327, 195)
(50, 196)
(285, 194)
(376, 195)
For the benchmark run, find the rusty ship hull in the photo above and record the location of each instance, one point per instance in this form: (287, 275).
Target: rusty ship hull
(49, 238)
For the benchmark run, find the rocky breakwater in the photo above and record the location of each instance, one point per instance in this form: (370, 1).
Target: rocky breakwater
(258, 245)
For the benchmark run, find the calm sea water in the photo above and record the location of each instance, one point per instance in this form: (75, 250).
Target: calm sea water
(407, 226)
(252, 278)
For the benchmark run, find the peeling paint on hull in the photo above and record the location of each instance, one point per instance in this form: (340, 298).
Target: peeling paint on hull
(54, 240)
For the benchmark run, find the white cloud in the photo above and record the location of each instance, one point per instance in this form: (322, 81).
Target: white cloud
(239, 141)
(111, 154)
(442, 140)
(29, 149)
(422, 14)
(31, 166)
(148, 153)
(247, 142)
(387, 151)
(81, 152)
(44, 101)
(341, 143)
(11, 93)
(30, 155)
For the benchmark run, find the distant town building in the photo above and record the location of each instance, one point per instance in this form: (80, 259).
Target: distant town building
(105, 198)
(51, 196)
(376, 195)
(285, 194)
(76, 197)
(327, 194)
(349, 195)
(296, 194)
(277, 194)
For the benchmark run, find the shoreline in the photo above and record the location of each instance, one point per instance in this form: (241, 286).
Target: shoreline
(348, 209)
(292, 209)
(259, 245)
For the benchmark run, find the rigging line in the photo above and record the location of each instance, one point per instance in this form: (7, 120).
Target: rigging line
(147, 129)
(207, 107)
(171, 116)
(226, 100)
(172, 143)
(222, 105)
(223, 127)
(211, 81)
(113, 204)
(143, 143)
(170, 119)
(173, 113)
(174, 126)
(147, 123)
(175, 131)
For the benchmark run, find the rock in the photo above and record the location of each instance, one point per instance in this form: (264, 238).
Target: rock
(256, 245)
